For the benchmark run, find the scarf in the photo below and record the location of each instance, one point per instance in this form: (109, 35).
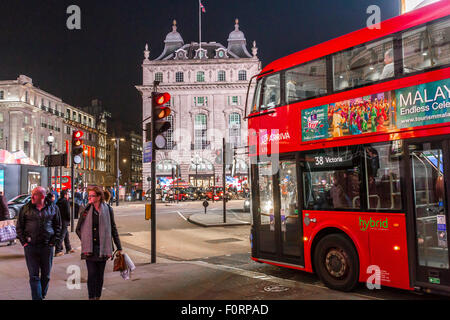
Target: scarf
(105, 237)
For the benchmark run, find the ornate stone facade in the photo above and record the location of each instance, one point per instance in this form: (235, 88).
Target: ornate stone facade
(208, 84)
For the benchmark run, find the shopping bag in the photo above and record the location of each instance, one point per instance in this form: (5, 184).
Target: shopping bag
(7, 231)
(119, 262)
(126, 274)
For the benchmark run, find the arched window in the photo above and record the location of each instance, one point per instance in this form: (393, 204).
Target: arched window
(179, 77)
(221, 76)
(242, 75)
(200, 132)
(159, 76)
(234, 124)
(200, 76)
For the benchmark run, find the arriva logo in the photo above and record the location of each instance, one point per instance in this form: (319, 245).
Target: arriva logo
(364, 224)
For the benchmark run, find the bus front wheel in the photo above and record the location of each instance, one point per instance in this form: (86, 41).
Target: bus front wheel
(336, 262)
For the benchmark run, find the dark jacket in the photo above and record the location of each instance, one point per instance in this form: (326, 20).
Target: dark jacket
(64, 209)
(114, 232)
(42, 230)
(4, 212)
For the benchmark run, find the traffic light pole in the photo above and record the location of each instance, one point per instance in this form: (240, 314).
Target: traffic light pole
(72, 213)
(224, 182)
(153, 177)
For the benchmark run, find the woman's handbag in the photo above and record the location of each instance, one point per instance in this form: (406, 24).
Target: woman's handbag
(119, 262)
(7, 230)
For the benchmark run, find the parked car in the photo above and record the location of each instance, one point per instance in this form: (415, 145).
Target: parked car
(16, 203)
(218, 191)
(148, 194)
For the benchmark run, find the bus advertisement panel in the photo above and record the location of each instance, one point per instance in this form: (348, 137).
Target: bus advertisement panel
(424, 104)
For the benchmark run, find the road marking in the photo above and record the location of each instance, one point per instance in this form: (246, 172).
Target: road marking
(179, 213)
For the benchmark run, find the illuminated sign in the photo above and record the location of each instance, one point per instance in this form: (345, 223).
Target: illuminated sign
(410, 5)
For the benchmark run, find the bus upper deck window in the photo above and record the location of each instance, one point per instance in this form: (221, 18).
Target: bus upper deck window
(363, 64)
(271, 92)
(426, 47)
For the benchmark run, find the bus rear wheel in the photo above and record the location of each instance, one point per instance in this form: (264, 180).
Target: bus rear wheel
(336, 262)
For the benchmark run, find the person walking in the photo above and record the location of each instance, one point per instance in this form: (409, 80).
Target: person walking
(38, 230)
(4, 213)
(64, 209)
(96, 229)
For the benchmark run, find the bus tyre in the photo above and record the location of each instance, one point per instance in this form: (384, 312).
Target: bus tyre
(336, 262)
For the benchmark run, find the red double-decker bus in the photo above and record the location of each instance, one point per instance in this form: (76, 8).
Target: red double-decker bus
(349, 143)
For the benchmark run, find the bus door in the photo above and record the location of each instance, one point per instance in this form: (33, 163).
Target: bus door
(278, 218)
(429, 168)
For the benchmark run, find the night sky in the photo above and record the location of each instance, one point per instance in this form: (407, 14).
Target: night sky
(103, 59)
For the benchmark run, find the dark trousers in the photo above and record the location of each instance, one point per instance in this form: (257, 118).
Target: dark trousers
(96, 272)
(64, 238)
(39, 262)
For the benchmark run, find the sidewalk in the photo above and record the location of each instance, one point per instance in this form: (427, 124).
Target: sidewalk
(164, 280)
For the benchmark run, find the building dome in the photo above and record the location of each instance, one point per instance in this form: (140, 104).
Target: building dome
(174, 36)
(236, 35)
(173, 42)
(237, 43)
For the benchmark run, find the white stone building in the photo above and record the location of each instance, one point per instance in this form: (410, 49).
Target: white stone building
(208, 85)
(28, 115)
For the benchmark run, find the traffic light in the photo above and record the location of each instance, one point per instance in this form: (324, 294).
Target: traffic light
(160, 125)
(77, 145)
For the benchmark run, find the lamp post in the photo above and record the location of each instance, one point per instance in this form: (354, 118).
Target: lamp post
(50, 140)
(195, 162)
(117, 146)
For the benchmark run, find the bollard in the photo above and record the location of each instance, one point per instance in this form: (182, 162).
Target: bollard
(205, 204)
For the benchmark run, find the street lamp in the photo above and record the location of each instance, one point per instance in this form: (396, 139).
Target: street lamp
(196, 163)
(117, 146)
(50, 140)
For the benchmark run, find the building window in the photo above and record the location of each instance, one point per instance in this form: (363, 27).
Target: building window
(221, 76)
(234, 124)
(233, 100)
(79, 118)
(200, 132)
(2, 95)
(74, 116)
(200, 101)
(200, 76)
(179, 77)
(1, 133)
(159, 76)
(242, 75)
(1, 116)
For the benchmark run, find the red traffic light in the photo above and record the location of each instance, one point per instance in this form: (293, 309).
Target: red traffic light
(78, 134)
(161, 98)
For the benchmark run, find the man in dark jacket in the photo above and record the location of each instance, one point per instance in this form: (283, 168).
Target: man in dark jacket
(38, 229)
(64, 209)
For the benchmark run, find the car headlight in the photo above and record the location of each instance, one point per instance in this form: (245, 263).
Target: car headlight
(246, 203)
(12, 213)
